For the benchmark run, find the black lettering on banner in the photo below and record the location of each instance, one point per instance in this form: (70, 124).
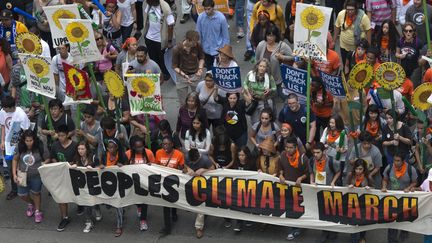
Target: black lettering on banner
(168, 183)
(78, 180)
(109, 183)
(137, 185)
(93, 183)
(154, 185)
(124, 182)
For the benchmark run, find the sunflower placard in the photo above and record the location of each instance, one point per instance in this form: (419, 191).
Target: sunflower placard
(40, 78)
(29, 43)
(54, 14)
(421, 95)
(114, 84)
(77, 83)
(144, 94)
(360, 75)
(82, 42)
(311, 25)
(390, 75)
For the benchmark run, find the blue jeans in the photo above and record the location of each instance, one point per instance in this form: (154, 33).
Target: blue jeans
(34, 185)
(239, 12)
(427, 239)
(13, 184)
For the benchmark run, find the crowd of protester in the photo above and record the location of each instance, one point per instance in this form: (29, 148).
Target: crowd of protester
(218, 129)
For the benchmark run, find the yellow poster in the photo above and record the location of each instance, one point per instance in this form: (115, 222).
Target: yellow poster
(220, 5)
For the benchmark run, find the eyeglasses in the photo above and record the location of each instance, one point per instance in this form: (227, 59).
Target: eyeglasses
(350, 9)
(100, 38)
(408, 31)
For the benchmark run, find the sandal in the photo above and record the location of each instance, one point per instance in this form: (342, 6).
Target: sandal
(118, 232)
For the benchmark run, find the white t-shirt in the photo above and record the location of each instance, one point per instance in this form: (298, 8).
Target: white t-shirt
(425, 186)
(45, 49)
(155, 19)
(13, 123)
(126, 12)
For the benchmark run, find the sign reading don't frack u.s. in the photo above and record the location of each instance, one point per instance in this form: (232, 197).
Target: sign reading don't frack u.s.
(245, 195)
(228, 79)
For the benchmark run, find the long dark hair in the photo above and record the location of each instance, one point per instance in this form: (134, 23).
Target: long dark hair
(339, 124)
(202, 132)
(221, 138)
(5, 46)
(314, 93)
(37, 145)
(249, 159)
(88, 155)
(360, 162)
(393, 35)
(372, 108)
(132, 141)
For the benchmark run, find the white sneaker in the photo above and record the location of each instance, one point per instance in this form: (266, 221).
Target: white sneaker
(88, 227)
(98, 215)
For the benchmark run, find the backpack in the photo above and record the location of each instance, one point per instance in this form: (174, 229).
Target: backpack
(409, 171)
(331, 167)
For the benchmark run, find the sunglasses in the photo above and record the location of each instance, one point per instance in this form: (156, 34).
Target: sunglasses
(408, 31)
(100, 38)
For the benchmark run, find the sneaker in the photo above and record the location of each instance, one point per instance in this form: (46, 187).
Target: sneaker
(248, 55)
(63, 223)
(30, 210)
(248, 224)
(238, 227)
(184, 18)
(80, 210)
(98, 214)
(240, 34)
(139, 212)
(227, 223)
(88, 227)
(11, 195)
(118, 232)
(38, 216)
(143, 225)
(293, 234)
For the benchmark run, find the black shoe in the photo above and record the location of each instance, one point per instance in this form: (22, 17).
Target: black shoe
(11, 195)
(63, 223)
(238, 227)
(174, 217)
(184, 18)
(165, 231)
(248, 55)
(80, 210)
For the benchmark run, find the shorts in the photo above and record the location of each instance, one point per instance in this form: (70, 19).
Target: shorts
(34, 185)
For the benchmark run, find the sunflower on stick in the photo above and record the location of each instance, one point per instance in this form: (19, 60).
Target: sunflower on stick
(77, 33)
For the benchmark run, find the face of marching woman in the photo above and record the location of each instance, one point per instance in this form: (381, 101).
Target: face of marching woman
(332, 124)
(373, 115)
(29, 142)
(242, 157)
(265, 119)
(262, 68)
(167, 146)
(232, 99)
(196, 124)
(359, 170)
(112, 148)
(82, 150)
(385, 28)
(389, 120)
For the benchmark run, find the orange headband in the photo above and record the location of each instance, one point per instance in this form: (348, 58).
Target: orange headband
(128, 42)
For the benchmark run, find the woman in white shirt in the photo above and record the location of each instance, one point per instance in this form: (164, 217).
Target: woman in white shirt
(198, 136)
(128, 17)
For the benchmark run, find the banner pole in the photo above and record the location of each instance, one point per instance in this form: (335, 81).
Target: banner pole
(117, 114)
(78, 116)
(308, 99)
(361, 109)
(93, 80)
(395, 121)
(48, 114)
(148, 131)
(428, 39)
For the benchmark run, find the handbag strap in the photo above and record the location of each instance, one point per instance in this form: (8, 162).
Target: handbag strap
(208, 98)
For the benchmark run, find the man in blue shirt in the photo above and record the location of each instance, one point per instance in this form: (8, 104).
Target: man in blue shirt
(295, 114)
(213, 29)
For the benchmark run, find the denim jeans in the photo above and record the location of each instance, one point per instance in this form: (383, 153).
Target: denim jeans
(239, 12)
(427, 239)
(13, 184)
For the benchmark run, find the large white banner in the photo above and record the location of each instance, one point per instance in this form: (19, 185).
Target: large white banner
(311, 29)
(54, 14)
(83, 47)
(245, 195)
(40, 78)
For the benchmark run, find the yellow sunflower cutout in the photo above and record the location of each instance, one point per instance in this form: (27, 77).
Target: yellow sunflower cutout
(76, 79)
(76, 32)
(114, 84)
(360, 76)
(29, 43)
(38, 67)
(62, 14)
(420, 96)
(143, 86)
(390, 75)
(312, 18)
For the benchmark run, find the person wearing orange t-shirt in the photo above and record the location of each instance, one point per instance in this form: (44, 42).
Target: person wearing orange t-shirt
(321, 105)
(293, 166)
(331, 66)
(427, 77)
(407, 89)
(138, 154)
(173, 158)
(399, 176)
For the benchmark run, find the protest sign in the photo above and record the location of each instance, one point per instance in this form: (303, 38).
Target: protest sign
(40, 78)
(294, 80)
(220, 5)
(333, 84)
(245, 195)
(54, 14)
(29, 43)
(82, 42)
(310, 37)
(77, 83)
(144, 94)
(228, 79)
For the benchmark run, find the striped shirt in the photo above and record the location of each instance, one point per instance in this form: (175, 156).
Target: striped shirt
(380, 10)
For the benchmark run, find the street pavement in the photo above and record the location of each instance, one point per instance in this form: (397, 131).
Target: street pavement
(16, 227)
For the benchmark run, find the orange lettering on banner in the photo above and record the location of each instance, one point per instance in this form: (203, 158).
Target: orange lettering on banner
(410, 207)
(390, 216)
(353, 206)
(371, 203)
(333, 201)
